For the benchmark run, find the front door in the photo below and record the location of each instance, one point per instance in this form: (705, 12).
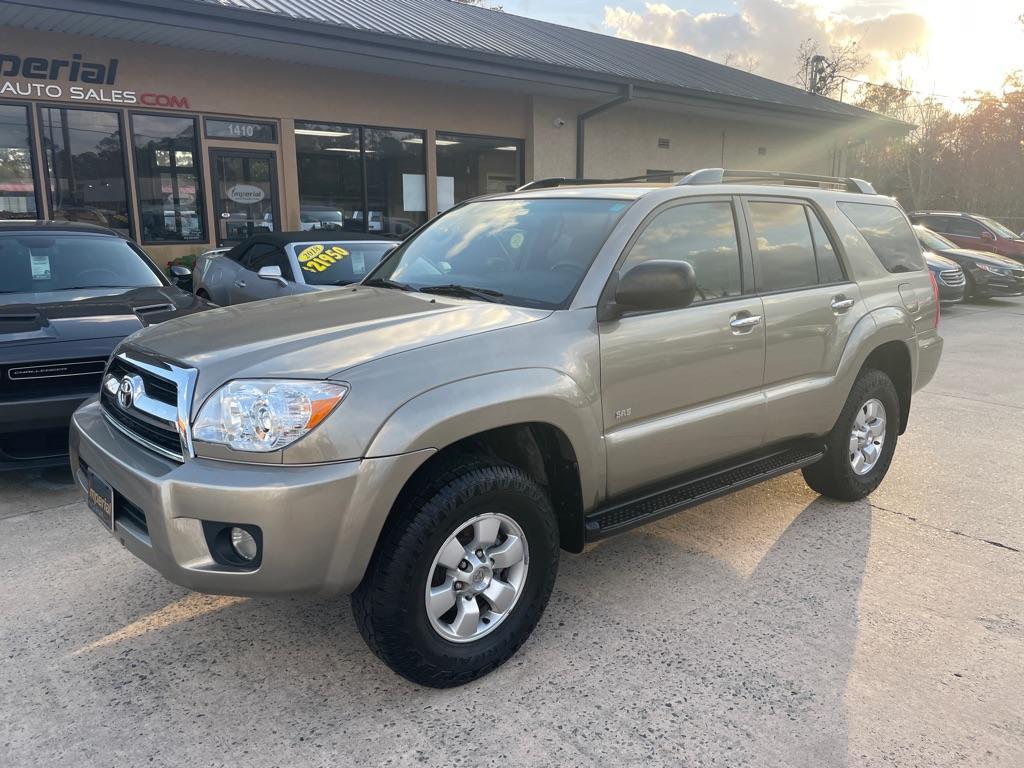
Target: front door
(244, 194)
(683, 388)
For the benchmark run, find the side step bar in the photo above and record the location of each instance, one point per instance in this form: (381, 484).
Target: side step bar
(623, 515)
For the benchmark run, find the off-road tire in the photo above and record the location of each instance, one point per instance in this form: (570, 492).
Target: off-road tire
(389, 605)
(833, 476)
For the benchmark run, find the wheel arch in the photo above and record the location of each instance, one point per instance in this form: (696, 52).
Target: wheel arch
(536, 419)
(893, 359)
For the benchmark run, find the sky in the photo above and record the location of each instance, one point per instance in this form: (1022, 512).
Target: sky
(943, 47)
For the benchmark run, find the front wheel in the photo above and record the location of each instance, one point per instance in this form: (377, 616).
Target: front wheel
(861, 444)
(461, 575)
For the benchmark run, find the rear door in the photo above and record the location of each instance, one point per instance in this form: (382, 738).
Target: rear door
(249, 286)
(682, 388)
(810, 310)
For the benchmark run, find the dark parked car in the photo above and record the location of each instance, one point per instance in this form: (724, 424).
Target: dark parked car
(986, 274)
(948, 277)
(979, 233)
(69, 293)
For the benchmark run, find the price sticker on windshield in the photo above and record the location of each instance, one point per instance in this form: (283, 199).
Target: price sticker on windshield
(317, 258)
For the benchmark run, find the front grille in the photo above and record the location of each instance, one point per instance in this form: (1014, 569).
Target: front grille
(954, 278)
(51, 377)
(158, 434)
(156, 387)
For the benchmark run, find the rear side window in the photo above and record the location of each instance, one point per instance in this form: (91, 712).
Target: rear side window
(829, 270)
(704, 234)
(785, 250)
(887, 232)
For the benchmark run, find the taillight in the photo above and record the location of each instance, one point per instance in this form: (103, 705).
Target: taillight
(935, 292)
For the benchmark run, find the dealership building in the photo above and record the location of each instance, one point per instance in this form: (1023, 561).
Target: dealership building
(193, 123)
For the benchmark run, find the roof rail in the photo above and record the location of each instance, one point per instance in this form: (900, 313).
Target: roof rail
(558, 181)
(724, 176)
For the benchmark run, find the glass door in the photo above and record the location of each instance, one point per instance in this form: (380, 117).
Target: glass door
(244, 194)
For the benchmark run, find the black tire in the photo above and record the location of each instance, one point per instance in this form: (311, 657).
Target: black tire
(389, 605)
(834, 476)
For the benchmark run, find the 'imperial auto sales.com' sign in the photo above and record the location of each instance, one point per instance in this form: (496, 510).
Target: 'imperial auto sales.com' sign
(38, 78)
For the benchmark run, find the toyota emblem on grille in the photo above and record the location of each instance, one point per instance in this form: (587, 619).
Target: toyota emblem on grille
(129, 390)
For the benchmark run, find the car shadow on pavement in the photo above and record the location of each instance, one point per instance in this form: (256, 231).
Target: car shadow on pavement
(726, 633)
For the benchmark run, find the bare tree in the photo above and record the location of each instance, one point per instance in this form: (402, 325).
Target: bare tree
(825, 74)
(745, 61)
(481, 4)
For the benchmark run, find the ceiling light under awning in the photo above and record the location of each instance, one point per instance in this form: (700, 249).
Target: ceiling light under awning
(316, 132)
(437, 142)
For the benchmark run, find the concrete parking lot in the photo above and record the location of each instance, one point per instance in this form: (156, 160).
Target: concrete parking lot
(771, 628)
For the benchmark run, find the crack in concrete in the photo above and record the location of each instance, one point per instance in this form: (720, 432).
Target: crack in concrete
(953, 531)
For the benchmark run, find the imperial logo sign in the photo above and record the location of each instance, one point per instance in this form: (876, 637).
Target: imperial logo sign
(88, 81)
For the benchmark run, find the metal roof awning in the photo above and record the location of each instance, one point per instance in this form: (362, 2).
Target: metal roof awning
(440, 40)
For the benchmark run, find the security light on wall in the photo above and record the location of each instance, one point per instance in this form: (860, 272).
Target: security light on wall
(558, 122)
(314, 132)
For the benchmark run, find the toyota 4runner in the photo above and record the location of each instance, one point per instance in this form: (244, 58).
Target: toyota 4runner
(527, 373)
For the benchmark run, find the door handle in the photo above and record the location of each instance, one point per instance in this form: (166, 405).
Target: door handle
(239, 283)
(841, 304)
(744, 323)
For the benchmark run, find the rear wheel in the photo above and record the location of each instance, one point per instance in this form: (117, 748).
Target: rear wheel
(461, 574)
(861, 445)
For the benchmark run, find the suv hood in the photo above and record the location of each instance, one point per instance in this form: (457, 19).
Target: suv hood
(317, 335)
(93, 313)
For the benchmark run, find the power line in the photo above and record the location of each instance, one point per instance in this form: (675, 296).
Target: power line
(912, 90)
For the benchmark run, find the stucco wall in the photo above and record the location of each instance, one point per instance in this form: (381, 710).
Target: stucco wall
(624, 142)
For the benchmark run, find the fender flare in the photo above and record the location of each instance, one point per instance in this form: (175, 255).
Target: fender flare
(444, 415)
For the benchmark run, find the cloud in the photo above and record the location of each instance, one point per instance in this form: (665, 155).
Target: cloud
(764, 35)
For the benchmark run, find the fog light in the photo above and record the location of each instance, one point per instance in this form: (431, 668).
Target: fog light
(244, 544)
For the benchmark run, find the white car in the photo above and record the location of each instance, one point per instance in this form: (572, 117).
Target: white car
(273, 264)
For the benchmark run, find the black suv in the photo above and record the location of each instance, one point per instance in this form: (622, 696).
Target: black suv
(69, 293)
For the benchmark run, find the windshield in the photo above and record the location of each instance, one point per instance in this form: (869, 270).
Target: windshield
(932, 241)
(338, 263)
(531, 252)
(998, 228)
(31, 263)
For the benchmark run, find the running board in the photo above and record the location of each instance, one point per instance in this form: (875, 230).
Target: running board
(623, 515)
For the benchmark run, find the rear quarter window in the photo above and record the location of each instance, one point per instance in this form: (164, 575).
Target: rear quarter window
(888, 232)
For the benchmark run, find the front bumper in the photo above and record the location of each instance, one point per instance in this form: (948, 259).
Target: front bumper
(33, 431)
(988, 285)
(319, 523)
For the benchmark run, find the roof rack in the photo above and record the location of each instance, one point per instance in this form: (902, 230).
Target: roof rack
(558, 181)
(724, 176)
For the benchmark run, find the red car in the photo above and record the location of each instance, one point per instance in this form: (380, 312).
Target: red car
(977, 233)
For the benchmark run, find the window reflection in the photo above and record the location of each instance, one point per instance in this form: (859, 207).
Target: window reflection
(17, 186)
(469, 166)
(360, 179)
(170, 200)
(85, 163)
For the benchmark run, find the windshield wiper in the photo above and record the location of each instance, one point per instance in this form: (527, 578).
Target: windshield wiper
(484, 294)
(383, 282)
(86, 287)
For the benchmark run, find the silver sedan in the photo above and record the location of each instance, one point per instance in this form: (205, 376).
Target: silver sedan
(280, 264)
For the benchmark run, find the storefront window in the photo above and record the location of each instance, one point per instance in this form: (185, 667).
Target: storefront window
(468, 166)
(330, 171)
(85, 165)
(395, 175)
(360, 179)
(170, 199)
(17, 186)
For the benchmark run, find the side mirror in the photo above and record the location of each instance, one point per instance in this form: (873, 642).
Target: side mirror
(181, 277)
(272, 273)
(654, 285)
(987, 236)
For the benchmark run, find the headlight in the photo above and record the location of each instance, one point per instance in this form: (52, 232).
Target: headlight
(1004, 271)
(266, 414)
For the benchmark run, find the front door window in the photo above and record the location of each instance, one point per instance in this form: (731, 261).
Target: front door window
(244, 194)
